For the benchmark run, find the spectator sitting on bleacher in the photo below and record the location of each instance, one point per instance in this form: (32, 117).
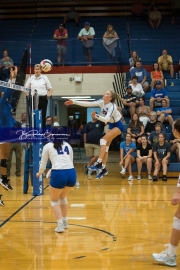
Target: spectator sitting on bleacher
(136, 87)
(110, 40)
(164, 113)
(127, 156)
(144, 155)
(137, 10)
(175, 146)
(141, 73)
(176, 10)
(156, 75)
(86, 35)
(166, 63)
(143, 112)
(61, 34)
(72, 15)
(135, 128)
(151, 125)
(130, 102)
(155, 18)
(157, 94)
(162, 152)
(153, 138)
(5, 64)
(134, 58)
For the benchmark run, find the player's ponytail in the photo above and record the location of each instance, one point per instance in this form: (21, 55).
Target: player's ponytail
(114, 96)
(58, 137)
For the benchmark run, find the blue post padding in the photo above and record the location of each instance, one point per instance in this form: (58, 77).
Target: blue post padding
(26, 171)
(38, 188)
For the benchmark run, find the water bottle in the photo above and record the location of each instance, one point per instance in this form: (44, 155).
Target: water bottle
(176, 76)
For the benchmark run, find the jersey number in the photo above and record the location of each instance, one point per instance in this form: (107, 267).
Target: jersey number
(61, 151)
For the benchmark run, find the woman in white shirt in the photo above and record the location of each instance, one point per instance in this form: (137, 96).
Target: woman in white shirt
(63, 174)
(44, 89)
(112, 116)
(136, 87)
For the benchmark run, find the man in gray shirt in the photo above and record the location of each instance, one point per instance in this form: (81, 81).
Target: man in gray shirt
(72, 15)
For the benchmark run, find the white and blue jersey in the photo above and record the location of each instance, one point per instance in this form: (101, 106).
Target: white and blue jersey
(110, 113)
(63, 172)
(61, 159)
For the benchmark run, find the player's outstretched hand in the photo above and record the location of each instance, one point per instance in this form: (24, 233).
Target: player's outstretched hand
(176, 198)
(68, 102)
(13, 72)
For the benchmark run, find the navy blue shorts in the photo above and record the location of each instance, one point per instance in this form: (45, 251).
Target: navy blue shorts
(87, 50)
(118, 124)
(62, 178)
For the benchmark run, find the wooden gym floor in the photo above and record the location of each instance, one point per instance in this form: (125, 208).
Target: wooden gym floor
(113, 225)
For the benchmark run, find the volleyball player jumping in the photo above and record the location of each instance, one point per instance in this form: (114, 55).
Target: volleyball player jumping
(6, 121)
(111, 116)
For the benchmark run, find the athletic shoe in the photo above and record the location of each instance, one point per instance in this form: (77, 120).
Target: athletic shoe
(96, 166)
(85, 168)
(102, 173)
(60, 227)
(123, 171)
(18, 174)
(164, 178)
(155, 178)
(130, 178)
(164, 258)
(1, 202)
(6, 184)
(149, 177)
(138, 177)
(65, 223)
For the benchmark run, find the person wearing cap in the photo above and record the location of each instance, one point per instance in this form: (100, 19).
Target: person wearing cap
(86, 35)
(165, 62)
(72, 15)
(164, 113)
(157, 94)
(141, 73)
(130, 101)
(61, 35)
(153, 138)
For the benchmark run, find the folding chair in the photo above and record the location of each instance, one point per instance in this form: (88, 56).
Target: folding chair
(75, 144)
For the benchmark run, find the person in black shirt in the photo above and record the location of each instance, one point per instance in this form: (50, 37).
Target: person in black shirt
(175, 146)
(144, 155)
(151, 125)
(130, 102)
(162, 152)
(93, 132)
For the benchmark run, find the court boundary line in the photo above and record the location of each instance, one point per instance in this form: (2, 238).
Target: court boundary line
(19, 209)
(51, 222)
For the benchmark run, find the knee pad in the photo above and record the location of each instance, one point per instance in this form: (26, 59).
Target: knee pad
(4, 163)
(176, 223)
(107, 148)
(63, 201)
(54, 203)
(103, 142)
